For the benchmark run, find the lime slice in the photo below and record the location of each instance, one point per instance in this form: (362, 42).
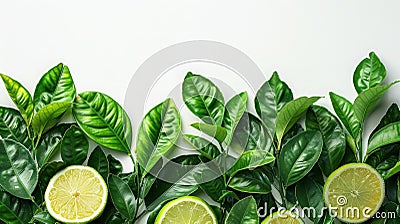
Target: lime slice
(186, 210)
(354, 192)
(283, 217)
(76, 194)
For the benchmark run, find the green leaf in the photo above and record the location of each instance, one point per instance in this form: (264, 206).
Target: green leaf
(366, 102)
(98, 160)
(74, 146)
(49, 144)
(214, 189)
(203, 98)
(48, 171)
(227, 193)
(13, 126)
(44, 217)
(20, 96)
(115, 166)
(345, 111)
(309, 194)
(298, 156)
(251, 181)
(153, 215)
(48, 117)
(110, 215)
(203, 146)
(290, 113)
(391, 189)
(394, 170)
(369, 73)
(122, 197)
(215, 131)
(54, 86)
(270, 99)
(233, 113)
(243, 212)
(157, 133)
(296, 129)
(385, 136)
(334, 143)
(19, 174)
(392, 115)
(14, 210)
(250, 160)
(103, 120)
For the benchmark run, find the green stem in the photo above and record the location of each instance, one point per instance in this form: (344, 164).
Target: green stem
(138, 182)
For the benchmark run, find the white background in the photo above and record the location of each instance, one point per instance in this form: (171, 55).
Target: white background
(314, 45)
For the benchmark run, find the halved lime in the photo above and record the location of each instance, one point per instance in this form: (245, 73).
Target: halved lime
(76, 194)
(283, 217)
(186, 210)
(354, 192)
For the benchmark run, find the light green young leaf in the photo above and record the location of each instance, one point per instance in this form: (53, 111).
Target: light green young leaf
(233, 113)
(215, 131)
(48, 117)
(369, 73)
(250, 160)
(385, 136)
(345, 111)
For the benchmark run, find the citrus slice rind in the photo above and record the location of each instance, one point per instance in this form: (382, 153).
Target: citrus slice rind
(188, 210)
(76, 194)
(283, 217)
(354, 192)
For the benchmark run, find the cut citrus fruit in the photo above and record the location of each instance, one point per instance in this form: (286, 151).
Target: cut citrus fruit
(283, 217)
(354, 192)
(76, 194)
(186, 210)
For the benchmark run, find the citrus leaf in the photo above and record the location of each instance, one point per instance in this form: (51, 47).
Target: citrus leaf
(98, 160)
(114, 165)
(103, 120)
(215, 131)
(369, 73)
(122, 197)
(48, 117)
(251, 181)
(14, 210)
(203, 146)
(392, 115)
(243, 212)
(309, 194)
(234, 110)
(345, 111)
(48, 171)
(13, 126)
(385, 136)
(44, 217)
(250, 160)
(74, 146)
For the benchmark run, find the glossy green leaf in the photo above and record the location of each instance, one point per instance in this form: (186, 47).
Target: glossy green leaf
(203, 98)
(234, 110)
(366, 102)
(103, 120)
(293, 131)
(49, 144)
(153, 215)
(391, 189)
(227, 193)
(243, 212)
(74, 146)
(369, 73)
(392, 171)
(47, 172)
(54, 86)
(345, 111)
(392, 115)
(215, 131)
(290, 114)
(13, 126)
(98, 160)
(122, 197)
(299, 155)
(110, 215)
(379, 156)
(44, 217)
(334, 143)
(251, 181)
(48, 117)
(157, 133)
(114, 165)
(385, 136)
(250, 160)
(203, 146)
(214, 188)
(14, 210)
(270, 99)
(20, 96)
(309, 194)
(19, 174)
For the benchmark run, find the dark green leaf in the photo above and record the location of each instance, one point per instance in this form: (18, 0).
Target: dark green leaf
(157, 133)
(233, 113)
(290, 114)
(74, 146)
(48, 171)
(20, 96)
(115, 166)
(48, 117)
(299, 155)
(350, 155)
(392, 171)
(251, 181)
(345, 111)
(334, 142)
(379, 156)
(122, 197)
(147, 183)
(98, 160)
(309, 193)
(227, 193)
(103, 120)
(385, 136)
(293, 131)
(214, 188)
(369, 73)
(19, 174)
(392, 115)
(203, 98)
(250, 160)
(203, 146)
(14, 210)
(270, 99)
(109, 216)
(54, 86)
(44, 217)
(13, 126)
(153, 215)
(243, 212)
(391, 189)
(215, 131)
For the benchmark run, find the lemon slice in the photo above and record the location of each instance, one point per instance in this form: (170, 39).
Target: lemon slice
(186, 210)
(282, 217)
(354, 192)
(76, 194)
